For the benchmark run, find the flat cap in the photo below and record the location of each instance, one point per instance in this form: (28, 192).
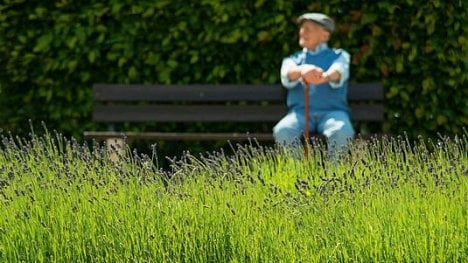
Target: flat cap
(320, 19)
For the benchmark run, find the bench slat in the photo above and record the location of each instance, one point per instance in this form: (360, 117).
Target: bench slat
(187, 113)
(176, 136)
(213, 113)
(193, 92)
(366, 112)
(213, 92)
(366, 91)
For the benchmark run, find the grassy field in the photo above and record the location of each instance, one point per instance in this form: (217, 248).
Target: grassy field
(390, 200)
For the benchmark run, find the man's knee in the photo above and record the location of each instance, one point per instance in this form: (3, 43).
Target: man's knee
(284, 135)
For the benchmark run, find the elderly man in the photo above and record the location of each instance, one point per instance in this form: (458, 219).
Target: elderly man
(326, 71)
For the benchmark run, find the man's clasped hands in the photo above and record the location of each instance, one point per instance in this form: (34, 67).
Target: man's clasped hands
(313, 75)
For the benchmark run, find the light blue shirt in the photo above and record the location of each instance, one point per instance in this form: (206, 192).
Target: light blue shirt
(341, 64)
(329, 96)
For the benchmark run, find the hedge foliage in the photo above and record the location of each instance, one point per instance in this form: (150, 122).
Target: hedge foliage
(51, 52)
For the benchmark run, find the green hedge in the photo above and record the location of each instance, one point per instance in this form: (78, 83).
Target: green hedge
(51, 52)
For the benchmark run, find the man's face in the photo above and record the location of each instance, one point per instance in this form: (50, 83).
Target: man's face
(312, 34)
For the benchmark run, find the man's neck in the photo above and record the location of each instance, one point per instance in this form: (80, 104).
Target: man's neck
(316, 49)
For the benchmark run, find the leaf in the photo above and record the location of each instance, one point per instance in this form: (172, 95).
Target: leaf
(413, 53)
(101, 38)
(40, 11)
(71, 42)
(430, 21)
(259, 3)
(112, 56)
(194, 58)
(122, 62)
(81, 34)
(368, 18)
(441, 119)
(85, 76)
(43, 43)
(101, 28)
(137, 9)
(71, 65)
(263, 36)
(376, 31)
(404, 95)
(399, 67)
(279, 18)
(116, 7)
(148, 13)
(428, 85)
(23, 39)
(152, 59)
(172, 63)
(393, 91)
(92, 56)
(419, 112)
(132, 72)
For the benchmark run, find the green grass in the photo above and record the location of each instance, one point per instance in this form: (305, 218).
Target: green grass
(390, 200)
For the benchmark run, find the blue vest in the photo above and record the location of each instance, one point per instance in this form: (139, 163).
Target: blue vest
(321, 97)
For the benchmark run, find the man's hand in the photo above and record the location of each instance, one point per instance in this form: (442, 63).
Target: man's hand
(313, 74)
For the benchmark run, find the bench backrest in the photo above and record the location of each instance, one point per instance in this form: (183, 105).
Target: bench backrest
(215, 103)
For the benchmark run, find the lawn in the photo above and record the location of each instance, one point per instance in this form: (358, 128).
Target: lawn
(388, 200)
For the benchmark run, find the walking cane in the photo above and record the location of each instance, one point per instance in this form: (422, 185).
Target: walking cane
(306, 119)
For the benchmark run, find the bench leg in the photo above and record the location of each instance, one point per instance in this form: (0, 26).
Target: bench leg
(115, 148)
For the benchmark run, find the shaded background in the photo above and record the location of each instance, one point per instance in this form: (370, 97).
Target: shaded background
(51, 52)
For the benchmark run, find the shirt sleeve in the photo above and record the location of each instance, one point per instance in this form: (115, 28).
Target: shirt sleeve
(341, 64)
(287, 64)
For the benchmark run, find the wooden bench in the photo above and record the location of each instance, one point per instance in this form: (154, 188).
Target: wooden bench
(210, 103)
